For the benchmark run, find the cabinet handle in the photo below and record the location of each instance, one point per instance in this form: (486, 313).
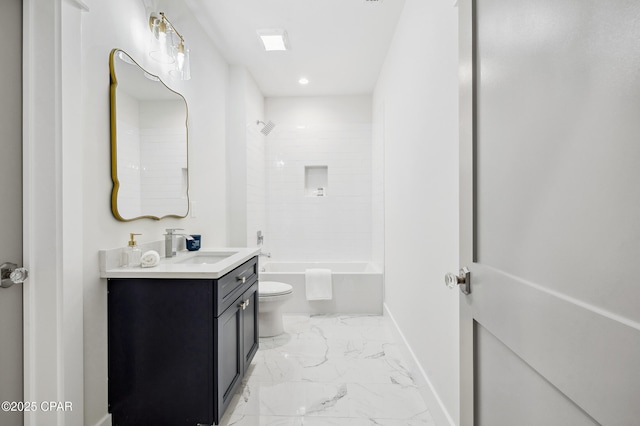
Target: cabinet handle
(244, 304)
(243, 279)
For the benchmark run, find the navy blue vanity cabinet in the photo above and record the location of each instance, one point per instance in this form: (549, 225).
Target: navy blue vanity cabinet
(237, 329)
(250, 325)
(179, 348)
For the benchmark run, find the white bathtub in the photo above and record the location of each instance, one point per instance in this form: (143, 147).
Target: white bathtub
(357, 286)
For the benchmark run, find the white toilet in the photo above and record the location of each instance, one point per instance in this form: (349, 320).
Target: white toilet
(272, 295)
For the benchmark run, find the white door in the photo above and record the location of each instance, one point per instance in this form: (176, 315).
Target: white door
(550, 212)
(11, 330)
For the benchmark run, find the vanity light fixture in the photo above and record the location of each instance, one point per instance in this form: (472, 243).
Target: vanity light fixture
(169, 46)
(274, 39)
(303, 81)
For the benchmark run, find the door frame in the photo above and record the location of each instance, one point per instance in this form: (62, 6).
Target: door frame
(52, 211)
(467, 84)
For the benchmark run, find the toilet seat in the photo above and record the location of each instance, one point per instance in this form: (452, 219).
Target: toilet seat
(273, 288)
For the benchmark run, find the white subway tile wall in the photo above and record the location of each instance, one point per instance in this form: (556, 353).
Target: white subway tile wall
(152, 157)
(164, 170)
(128, 157)
(336, 226)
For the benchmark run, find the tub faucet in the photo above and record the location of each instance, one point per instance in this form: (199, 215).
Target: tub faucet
(170, 241)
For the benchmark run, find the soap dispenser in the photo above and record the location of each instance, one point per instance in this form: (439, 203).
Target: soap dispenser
(133, 252)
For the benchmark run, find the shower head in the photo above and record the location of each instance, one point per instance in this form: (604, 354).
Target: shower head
(268, 127)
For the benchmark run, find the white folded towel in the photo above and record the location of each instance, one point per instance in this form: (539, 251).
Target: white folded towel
(149, 259)
(318, 284)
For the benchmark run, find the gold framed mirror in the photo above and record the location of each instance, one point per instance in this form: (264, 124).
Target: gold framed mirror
(149, 144)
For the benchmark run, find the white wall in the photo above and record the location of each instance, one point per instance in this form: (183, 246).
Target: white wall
(377, 184)
(256, 174)
(236, 157)
(124, 24)
(415, 104)
(319, 131)
(245, 159)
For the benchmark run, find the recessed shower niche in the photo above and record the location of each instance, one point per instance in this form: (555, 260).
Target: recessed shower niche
(316, 181)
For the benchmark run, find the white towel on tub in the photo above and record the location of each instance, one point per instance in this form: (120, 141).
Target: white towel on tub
(318, 284)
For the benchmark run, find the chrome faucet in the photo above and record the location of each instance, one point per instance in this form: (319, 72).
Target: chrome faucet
(170, 241)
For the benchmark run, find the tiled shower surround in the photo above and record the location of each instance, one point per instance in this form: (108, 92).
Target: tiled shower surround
(336, 226)
(329, 370)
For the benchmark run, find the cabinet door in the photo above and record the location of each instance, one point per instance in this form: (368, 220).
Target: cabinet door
(250, 338)
(160, 344)
(228, 374)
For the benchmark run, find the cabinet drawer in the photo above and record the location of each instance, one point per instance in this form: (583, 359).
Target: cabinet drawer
(231, 285)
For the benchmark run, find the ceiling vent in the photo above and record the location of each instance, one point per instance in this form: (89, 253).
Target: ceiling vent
(274, 39)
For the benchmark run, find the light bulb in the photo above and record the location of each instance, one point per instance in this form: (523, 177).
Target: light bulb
(180, 56)
(162, 38)
(161, 52)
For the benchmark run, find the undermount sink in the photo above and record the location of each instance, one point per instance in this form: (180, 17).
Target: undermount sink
(205, 258)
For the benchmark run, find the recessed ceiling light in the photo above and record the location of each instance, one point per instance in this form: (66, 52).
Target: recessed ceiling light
(274, 39)
(303, 81)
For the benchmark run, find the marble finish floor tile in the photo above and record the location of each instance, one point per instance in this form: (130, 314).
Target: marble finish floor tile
(329, 370)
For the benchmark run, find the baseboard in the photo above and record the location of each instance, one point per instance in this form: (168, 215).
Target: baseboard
(438, 411)
(105, 421)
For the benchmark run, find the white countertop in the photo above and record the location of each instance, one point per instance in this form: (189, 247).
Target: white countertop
(174, 267)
